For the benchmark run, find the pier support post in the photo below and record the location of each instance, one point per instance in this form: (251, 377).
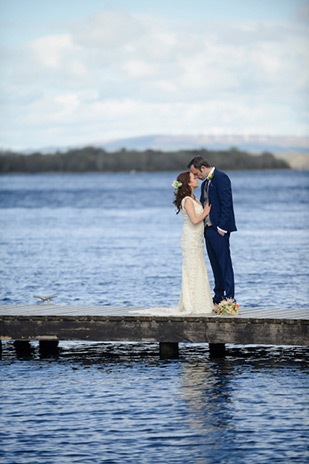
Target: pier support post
(23, 348)
(49, 347)
(168, 350)
(217, 350)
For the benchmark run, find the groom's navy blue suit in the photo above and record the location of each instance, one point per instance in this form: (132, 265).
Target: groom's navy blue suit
(218, 246)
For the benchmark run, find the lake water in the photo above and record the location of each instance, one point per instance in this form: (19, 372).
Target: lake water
(114, 239)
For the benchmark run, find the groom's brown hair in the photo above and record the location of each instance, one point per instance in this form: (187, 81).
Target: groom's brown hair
(198, 162)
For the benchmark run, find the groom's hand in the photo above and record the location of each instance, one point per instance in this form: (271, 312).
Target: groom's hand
(221, 233)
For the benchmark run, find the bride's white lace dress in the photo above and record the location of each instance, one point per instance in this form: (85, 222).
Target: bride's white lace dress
(195, 297)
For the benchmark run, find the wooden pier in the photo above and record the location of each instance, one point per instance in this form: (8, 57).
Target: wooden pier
(49, 323)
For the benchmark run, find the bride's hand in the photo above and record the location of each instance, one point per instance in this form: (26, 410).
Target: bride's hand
(207, 209)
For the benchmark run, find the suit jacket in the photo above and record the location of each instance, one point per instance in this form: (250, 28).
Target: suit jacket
(221, 201)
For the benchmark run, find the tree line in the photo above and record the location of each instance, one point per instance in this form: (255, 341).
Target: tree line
(91, 159)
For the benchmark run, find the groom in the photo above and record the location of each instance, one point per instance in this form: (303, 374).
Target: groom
(216, 189)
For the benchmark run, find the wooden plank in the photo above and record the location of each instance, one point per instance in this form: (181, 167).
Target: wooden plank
(169, 329)
(58, 310)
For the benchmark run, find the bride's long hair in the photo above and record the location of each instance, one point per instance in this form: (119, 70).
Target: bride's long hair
(183, 191)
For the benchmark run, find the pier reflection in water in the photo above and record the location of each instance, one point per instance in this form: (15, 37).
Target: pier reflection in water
(119, 403)
(250, 405)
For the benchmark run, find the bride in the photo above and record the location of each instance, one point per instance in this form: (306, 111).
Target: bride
(195, 297)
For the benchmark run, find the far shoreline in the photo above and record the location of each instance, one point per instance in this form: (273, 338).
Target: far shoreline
(53, 173)
(96, 160)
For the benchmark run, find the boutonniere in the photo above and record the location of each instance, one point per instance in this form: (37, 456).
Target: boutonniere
(211, 176)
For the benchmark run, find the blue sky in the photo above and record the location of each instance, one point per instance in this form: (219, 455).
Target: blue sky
(82, 72)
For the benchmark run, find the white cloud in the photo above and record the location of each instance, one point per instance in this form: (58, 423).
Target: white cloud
(68, 104)
(138, 68)
(51, 51)
(117, 74)
(58, 53)
(108, 29)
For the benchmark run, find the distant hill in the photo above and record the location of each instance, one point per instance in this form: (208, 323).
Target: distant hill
(252, 144)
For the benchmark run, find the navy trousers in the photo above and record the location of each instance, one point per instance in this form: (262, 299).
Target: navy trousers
(218, 249)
